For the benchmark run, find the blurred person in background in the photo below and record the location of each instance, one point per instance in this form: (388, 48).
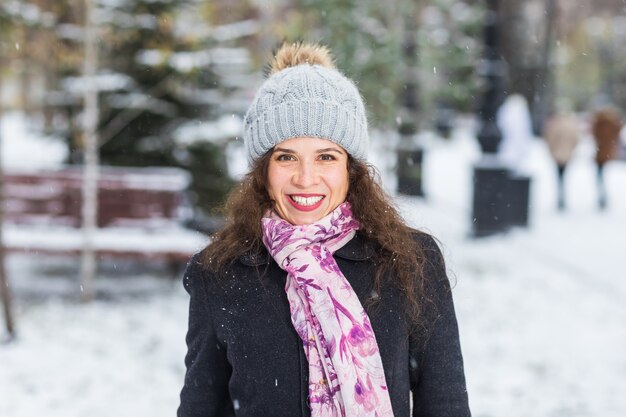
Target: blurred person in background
(605, 127)
(513, 119)
(562, 133)
(316, 298)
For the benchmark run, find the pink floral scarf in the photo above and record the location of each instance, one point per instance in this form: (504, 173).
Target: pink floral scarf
(346, 375)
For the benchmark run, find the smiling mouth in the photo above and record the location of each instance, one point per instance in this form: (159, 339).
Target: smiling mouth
(306, 203)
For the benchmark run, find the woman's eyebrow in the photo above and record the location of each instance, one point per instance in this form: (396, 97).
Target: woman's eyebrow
(329, 150)
(276, 149)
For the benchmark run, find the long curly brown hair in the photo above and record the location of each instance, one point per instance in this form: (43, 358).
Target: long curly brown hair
(398, 249)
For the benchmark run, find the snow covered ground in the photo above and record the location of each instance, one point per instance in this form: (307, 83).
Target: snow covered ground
(541, 310)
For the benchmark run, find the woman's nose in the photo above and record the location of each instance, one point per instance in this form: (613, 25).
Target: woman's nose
(306, 175)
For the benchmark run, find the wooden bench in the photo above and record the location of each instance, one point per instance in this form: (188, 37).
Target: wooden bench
(140, 213)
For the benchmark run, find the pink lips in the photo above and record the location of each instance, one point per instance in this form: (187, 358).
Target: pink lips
(306, 208)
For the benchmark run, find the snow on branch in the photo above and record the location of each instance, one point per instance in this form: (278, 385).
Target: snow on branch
(28, 13)
(101, 82)
(218, 131)
(235, 30)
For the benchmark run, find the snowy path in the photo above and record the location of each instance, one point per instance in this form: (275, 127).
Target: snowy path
(116, 358)
(542, 310)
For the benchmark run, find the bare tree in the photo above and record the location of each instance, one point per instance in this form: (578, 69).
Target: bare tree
(5, 290)
(90, 171)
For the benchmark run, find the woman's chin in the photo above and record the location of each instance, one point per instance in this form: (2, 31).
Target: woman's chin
(301, 218)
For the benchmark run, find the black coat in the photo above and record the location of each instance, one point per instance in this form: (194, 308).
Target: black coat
(245, 358)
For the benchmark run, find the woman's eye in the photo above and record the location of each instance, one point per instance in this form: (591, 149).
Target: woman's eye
(285, 157)
(327, 157)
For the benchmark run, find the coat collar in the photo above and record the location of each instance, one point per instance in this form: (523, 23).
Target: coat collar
(357, 249)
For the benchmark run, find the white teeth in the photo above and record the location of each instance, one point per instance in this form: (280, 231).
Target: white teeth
(306, 201)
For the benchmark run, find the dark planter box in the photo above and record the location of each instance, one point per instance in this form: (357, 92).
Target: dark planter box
(500, 199)
(410, 171)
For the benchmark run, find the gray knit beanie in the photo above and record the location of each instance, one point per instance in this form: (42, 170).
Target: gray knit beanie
(306, 100)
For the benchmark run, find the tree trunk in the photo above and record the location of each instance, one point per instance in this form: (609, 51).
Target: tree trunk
(544, 101)
(527, 37)
(5, 289)
(91, 162)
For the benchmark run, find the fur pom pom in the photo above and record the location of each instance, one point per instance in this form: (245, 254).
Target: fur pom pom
(292, 54)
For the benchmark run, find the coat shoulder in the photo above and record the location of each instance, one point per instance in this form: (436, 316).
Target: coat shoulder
(428, 244)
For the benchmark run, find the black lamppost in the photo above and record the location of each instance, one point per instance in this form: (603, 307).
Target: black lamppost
(500, 196)
(490, 175)
(492, 69)
(410, 155)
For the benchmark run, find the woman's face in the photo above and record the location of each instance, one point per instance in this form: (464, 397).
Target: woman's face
(307, 179)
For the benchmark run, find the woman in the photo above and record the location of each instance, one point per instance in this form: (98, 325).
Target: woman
(316, 298)
(605, 127)
(562, 134)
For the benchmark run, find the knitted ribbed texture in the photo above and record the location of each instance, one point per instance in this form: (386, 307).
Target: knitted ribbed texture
(307, 101)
